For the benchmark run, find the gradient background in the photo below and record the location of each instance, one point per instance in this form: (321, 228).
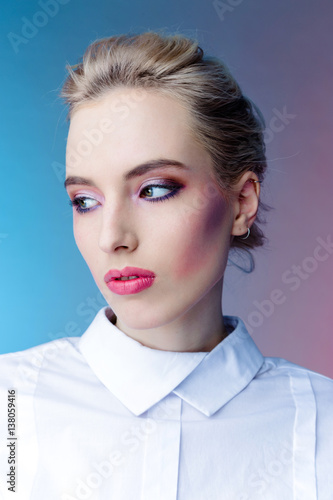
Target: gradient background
(280, 53)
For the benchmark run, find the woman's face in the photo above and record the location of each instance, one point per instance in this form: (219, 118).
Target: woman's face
(144, 196)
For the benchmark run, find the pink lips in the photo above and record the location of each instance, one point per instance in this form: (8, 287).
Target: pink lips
(144, 280)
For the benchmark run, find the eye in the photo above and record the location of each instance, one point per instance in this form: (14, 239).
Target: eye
(82, 204)
(160, 192)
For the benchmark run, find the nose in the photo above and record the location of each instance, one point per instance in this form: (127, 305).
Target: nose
(118, 229)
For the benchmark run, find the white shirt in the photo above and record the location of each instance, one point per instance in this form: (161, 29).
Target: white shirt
(103, 417)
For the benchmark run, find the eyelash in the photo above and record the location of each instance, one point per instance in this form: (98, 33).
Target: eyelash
(175, 188)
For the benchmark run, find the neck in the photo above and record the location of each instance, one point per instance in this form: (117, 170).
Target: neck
(198, 330)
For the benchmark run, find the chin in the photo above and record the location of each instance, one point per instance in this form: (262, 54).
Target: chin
(141, 317)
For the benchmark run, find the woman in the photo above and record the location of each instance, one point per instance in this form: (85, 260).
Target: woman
(163, 397)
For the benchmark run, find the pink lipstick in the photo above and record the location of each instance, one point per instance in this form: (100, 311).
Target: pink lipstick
(129, 280)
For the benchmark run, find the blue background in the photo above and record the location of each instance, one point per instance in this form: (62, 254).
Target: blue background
(280, 52)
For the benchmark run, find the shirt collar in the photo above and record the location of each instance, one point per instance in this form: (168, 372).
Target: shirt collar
(140, 376)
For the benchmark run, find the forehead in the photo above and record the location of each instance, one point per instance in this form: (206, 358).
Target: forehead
(130, 108)
(130, 126)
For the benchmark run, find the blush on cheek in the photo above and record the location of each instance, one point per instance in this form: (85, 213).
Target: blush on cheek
(204, 239)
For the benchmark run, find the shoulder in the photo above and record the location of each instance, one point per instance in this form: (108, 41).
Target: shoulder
(40, 351)
(21, 369)
(305, 387)
(279, 367)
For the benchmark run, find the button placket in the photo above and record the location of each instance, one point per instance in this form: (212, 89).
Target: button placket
(161, 456)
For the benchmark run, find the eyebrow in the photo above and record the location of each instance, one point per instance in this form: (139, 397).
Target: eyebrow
(135, 172)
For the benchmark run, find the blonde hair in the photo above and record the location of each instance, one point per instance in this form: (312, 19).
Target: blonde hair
(225, 122)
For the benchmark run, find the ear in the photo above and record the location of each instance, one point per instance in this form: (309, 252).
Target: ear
(246, 201)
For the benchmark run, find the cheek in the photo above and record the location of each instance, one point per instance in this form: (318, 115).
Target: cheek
(86, 243)
(84, 239)
(205, 237)
(78, 234)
